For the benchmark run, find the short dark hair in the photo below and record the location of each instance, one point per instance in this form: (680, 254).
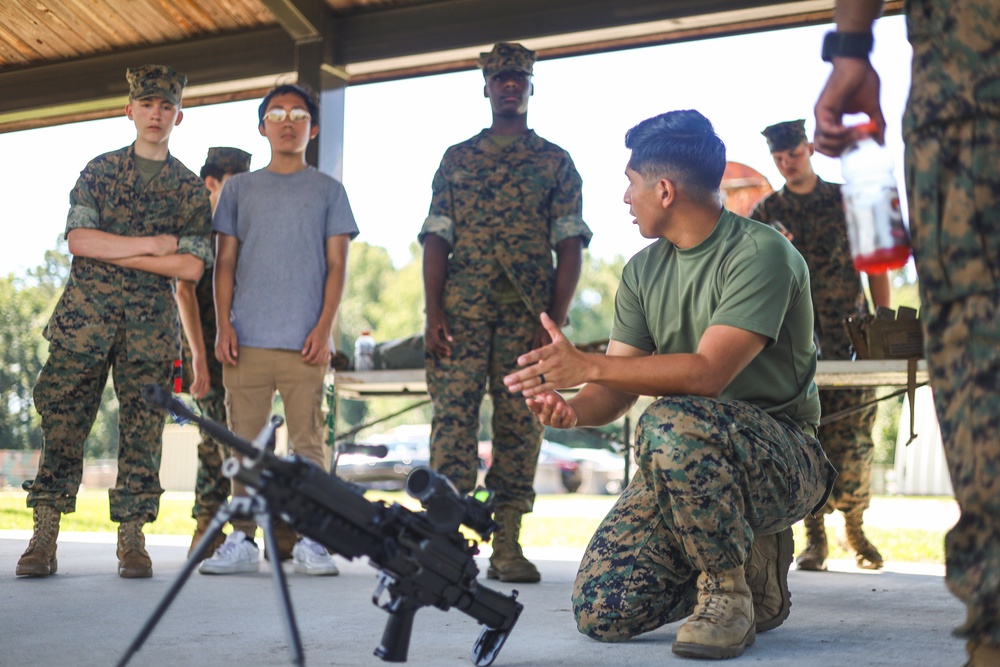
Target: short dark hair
(213, 170)
(681, 145)
(312, 106)
(217, 172)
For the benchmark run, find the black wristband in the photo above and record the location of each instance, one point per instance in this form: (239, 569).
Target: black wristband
(847, 45)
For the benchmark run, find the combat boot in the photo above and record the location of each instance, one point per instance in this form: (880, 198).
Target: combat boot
(865, 554)
(813, 557)
(508, 562)
(767, 577)
(39, 559)
(982, 654)
(133, 561)
(199, 532)
(722, 624)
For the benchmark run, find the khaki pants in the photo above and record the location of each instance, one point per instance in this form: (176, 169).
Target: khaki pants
(250, 387)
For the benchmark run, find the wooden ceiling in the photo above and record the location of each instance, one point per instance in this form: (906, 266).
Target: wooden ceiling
(64, 60)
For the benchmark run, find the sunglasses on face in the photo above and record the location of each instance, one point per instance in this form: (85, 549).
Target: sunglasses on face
(278, 115)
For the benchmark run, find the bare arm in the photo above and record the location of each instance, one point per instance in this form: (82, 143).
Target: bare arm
(437, 337)
(723, 352)
(226, 344)
(316, 349)
(182, 266)
(878, 285)
(154, 254)
(187, 308)
(104, 246)
(853, 86)
(569, 260)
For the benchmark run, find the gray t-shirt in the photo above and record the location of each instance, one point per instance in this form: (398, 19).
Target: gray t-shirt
(282, 222)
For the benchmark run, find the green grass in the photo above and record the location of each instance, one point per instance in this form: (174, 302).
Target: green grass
(900, 545)
(568, 521)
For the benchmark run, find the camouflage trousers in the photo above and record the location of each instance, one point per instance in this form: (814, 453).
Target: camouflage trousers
(67, 395)
(482, 353)
(848, 444)
(963, 346)
(953, 187)
(711, 474)
(211, 487)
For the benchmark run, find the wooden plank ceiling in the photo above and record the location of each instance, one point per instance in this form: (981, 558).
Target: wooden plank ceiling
(63, 60)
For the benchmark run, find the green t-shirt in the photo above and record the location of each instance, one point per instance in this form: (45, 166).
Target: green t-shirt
(744, 275)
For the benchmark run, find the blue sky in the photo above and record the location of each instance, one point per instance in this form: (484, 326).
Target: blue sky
(396, 132)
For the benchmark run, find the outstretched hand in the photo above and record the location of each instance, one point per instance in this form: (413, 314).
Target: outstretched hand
(552, 410)
(558, 364)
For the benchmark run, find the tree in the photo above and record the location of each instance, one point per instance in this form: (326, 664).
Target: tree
(21, 310)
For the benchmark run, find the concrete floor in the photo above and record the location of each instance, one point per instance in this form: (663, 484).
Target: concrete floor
(86, 615)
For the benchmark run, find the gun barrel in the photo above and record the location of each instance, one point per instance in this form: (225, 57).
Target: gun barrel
(159, 396)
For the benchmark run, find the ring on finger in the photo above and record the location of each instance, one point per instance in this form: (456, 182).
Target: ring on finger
(541, 376)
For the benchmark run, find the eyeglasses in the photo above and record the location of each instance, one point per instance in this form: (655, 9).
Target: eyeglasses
(278, 115)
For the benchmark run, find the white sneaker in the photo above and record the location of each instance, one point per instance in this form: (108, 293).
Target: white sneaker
(237, 554)
(311, 557)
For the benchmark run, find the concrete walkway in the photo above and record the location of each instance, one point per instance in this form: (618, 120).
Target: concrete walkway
(86, 615)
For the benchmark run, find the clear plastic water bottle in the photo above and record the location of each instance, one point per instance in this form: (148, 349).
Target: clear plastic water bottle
(879, 241)
(364, 352)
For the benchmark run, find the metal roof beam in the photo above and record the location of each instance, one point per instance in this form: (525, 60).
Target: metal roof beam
(89, 85)
(303, 20)
(424, 28)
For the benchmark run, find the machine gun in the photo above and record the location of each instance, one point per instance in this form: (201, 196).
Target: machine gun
(422, 558)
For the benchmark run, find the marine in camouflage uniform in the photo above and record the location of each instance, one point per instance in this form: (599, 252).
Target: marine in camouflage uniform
(952, 133)
(715, 319)
(196, 306)
(117, 315)
(812, 216)
(503, 201)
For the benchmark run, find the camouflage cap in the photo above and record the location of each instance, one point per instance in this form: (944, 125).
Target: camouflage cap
(155, 81)
(229, 160)
(505, 57)
(785, 136)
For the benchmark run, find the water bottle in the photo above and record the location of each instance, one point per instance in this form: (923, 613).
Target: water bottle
(879, 241)
(364, 352)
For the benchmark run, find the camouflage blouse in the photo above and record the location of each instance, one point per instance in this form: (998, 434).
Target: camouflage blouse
(503, 209)
(816, 222)
(100, 297)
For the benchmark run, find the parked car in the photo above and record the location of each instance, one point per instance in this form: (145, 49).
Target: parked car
(564, 469)
(408, 448)
(388, 472)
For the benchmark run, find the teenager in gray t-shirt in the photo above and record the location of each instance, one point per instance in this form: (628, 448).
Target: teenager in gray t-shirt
(283, 235)
(282, 222)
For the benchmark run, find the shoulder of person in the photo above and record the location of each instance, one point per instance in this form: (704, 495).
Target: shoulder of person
(114, 157)
(106, 166)
(184, 173)
(471, 143)
(827, 187)
(542, 144)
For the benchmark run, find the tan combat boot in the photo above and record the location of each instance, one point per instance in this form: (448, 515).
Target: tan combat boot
(722, 624)
(982, 655)
(813, 557)
(767, 577)
(199, 532)
(508, 562)
(865, 554)
(133, 561)
(39, 559)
